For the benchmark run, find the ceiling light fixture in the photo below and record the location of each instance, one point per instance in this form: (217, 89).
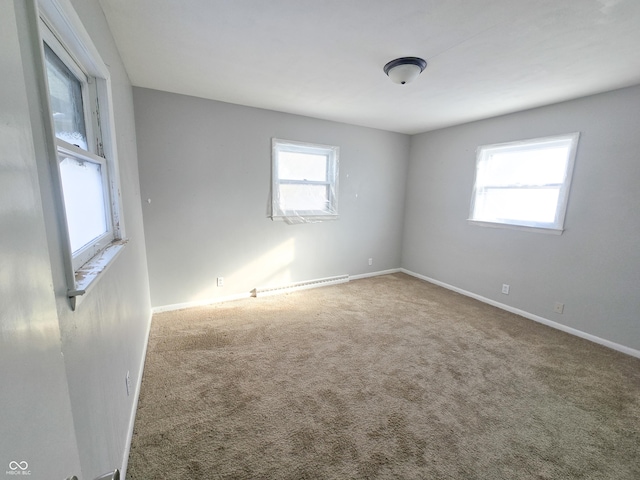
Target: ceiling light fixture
(404, 70)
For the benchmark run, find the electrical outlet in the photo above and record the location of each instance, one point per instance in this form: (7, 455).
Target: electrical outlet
(371, 261)
(505, 289)
(220, 281)
(558, 307)
(128, 383)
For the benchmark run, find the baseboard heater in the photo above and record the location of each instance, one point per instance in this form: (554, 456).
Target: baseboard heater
(292, 287)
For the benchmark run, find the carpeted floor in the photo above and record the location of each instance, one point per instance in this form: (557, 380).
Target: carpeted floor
(386, 377)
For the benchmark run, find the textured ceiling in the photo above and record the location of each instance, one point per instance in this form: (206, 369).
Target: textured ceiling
(324, 58)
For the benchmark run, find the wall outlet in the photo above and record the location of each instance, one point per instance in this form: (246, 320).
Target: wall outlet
(558, 307)
(128, 383)
(220, 281)
(505, 289)
(371, 261)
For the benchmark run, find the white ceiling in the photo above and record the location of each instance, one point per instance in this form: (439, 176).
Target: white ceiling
(324, 58)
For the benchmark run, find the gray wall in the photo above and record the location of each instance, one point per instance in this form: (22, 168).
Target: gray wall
(593, 267)
(35, 408)
(64, 406)
(206, 166)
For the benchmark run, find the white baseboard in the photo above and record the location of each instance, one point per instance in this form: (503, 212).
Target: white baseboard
(323, 282)
(374, 274)
(545, 321)
(199, 303)
(262, 291)
(134, 408)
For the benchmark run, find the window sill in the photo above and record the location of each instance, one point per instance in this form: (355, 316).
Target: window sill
(293, 218)
(87, 276)
(509, 226)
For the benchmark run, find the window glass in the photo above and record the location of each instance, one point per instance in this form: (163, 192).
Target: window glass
(83, 189)
(303, 197)
(302, 166)
(65, 94)
(512, 204)
(524, 167)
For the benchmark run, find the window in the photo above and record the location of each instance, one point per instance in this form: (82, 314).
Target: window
(85, 174)
(524, 184)
(305, 181)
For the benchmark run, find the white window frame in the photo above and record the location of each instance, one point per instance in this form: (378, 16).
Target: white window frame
(90, 250)
(557, 225)
(61, 29)
(332, 154)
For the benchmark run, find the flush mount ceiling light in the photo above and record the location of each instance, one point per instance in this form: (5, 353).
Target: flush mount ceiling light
(404, 70)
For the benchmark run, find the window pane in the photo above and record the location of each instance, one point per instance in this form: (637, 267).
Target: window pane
(304, 197)
(542, 166)
(302, 166)
(84, 200)
(512, 204)
(65, 93)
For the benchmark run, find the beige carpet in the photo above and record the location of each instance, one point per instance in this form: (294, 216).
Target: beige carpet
(387, 377)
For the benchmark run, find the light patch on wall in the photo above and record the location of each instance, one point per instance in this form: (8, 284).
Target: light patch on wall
(608, 5)
(269, 269)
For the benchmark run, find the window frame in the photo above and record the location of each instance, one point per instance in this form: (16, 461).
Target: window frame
(99, 243)
(557, 226)
(61, 29)
(332, 154)
(58, 49)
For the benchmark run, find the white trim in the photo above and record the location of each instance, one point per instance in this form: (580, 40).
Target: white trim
(304, 285)
(513, 226)
(110, 147)
(99, 243)
(134, 404)
(332, 155)
(199, 303)
(309, 218)
(360, 276)
(59, 50)
(87, 275)
(64, 22)
(550, 323)
(484, 154)
(64, 25)
(319, 283)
